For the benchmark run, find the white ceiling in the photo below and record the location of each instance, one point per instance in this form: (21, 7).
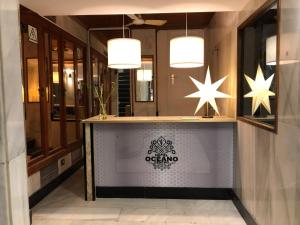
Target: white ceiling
(101, 7)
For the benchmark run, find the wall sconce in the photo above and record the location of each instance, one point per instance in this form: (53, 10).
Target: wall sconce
(172, 78)
(23, 94)
(69, 76)
(55, 78)
(70, 79)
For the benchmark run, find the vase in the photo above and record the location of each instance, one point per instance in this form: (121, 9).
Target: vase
(103, 113)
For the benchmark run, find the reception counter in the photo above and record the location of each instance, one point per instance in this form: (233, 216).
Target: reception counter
(168, 157)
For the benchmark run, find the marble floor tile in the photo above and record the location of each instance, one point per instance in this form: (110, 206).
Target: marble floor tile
(77, 213)
(66, 206)
(95, 222)
(201, 205)
(179, 216)
(51, 222)
(132, 203)
(144, 215)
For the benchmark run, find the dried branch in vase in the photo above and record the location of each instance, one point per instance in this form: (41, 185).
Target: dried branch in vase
(99, 94)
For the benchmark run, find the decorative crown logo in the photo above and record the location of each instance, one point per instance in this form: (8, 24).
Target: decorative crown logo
(161, 154)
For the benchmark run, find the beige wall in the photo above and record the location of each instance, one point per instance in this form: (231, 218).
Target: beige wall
(171, 99)
(77, 30)
(267, 168)
(222, 57)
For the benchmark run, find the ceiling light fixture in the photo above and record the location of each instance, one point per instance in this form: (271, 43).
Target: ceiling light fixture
(124, 53)
(186, 51)
(144, 75)
(271, 50)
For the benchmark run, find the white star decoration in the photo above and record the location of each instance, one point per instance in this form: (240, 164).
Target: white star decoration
(260, 90)
(208, 92)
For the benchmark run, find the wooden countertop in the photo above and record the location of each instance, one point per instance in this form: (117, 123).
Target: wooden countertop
(160, 119)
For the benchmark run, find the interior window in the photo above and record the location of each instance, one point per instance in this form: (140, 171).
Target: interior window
(144, 81)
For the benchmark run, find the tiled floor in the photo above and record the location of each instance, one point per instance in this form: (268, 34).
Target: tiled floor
(66, 206)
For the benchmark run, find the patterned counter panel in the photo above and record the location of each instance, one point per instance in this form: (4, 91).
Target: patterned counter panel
(164, 155)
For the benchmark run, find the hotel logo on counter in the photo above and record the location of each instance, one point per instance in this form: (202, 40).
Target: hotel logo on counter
(161, 154)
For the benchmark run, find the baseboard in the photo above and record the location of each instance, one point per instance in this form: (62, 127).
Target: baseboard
(44, 191)
(243, 211)
(164, 193)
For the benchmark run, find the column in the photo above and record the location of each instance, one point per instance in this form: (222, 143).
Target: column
(13, 169)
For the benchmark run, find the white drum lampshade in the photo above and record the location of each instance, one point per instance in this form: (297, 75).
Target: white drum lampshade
(271, 50)
(144, 75)
(187, 52)
(124, 53)
(290, 53)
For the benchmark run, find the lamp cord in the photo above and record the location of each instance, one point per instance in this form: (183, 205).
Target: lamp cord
(186, 24)
(123, 26)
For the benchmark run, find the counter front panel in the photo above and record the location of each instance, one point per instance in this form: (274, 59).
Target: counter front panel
(163, 155)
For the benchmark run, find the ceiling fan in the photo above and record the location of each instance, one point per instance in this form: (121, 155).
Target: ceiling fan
(138, 20)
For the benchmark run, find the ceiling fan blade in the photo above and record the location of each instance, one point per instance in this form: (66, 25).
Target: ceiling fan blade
(133, 17)
(129, 24)
(156, 22)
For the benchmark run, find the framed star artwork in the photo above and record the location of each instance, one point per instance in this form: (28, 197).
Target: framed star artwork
(258, 54)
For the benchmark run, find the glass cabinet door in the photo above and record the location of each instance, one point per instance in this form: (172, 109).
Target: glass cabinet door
(96, 83)
(81, 85)
(31, 90)
(54, 79)
(81, 88)
(69, 88)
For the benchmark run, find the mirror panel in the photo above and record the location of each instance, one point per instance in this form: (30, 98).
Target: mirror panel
(54, 122)
(32, 96)
(144, 85)
(257, 96)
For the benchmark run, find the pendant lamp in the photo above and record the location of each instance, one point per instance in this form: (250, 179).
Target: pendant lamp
(186, 51)
(124, 53)
(271, 50)
(287, 56)
(144, 75)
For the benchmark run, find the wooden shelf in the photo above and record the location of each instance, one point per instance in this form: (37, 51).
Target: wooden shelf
(160, 119)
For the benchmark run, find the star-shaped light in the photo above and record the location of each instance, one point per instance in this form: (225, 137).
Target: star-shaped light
(208, 92)
(260, 90)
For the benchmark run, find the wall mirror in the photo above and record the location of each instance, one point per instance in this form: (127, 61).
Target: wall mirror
(144, 90)
(257, 68)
